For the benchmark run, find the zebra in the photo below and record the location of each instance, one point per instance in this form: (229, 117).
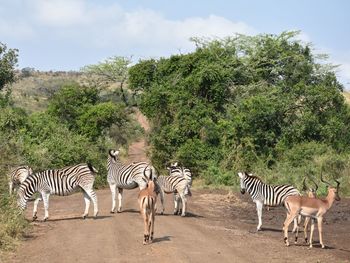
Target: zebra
(178, 182)
(264, 194)
(59, 182)
(17, 176)
(126, 176)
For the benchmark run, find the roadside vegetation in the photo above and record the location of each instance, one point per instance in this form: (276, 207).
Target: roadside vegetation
(265, 104)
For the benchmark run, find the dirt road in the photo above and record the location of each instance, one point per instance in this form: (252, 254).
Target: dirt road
(220, 227)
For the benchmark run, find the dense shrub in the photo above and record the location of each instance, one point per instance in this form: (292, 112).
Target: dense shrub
(264, 103)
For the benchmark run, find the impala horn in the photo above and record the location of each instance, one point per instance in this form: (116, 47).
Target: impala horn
(324, 180)
(316, 186)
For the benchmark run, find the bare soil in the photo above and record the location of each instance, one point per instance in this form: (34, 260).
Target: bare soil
(220, 227)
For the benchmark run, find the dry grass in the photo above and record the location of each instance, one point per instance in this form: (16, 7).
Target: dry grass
(347, 96)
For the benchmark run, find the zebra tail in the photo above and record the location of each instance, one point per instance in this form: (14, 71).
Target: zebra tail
(92, 169)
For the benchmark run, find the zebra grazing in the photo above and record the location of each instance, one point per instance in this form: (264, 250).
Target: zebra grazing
(264, 194)
(17, 176)
(59, 182)
(178, 182)
(130, 176)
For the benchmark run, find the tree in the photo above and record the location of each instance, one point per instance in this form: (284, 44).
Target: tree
(240, 100)
(112, 70)
(8, 60)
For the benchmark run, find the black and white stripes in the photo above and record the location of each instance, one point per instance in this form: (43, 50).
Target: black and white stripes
(264, 194)
(130, 176)
(178, 182)
(17, 176)
(59, 182)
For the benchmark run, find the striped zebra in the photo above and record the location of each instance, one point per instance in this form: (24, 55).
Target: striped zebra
(17, 176)
(179, 182)
(59, 182)
(126, 176)
(264, 194)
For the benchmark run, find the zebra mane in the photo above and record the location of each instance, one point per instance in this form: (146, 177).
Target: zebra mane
(253, 176)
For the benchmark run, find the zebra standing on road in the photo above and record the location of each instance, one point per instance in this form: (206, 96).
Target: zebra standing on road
(59, 182)
(264, 194)
(178, 182)
(130, 176)
(17, 176)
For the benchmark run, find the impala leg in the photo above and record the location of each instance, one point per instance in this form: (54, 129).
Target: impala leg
(146, 229)
(286, 224)
(312, 231)
(296, 227)
(319, 224)
(306, 223)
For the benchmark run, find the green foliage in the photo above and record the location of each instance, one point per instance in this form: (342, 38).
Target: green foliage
(8, 61)
(112, 70)
(12, 223)
(98, 118)
(263, 103)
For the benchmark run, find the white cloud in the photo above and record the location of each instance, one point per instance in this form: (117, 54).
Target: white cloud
(60, 13)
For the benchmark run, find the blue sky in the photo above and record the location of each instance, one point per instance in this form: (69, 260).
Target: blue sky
(69, 34)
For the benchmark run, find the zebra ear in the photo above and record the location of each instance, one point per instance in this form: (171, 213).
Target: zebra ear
(241, 175)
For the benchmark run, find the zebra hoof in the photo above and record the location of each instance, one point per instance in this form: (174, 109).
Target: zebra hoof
(183, 215)
(84, 216)
(45, 219)
(112, 212)
(119, 211)
(34, 218)
(175, 213)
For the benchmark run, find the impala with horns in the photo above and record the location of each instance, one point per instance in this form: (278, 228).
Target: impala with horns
(314, 208)
(310, 192)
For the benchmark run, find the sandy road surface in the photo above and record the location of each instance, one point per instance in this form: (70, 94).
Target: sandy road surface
(222, 231)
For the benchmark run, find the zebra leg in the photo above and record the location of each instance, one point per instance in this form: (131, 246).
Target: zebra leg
(45, 197)
(10, 187)
(92, 196)
(259, 207)
(113, 188)
(183, 201)
(35, 208)
(161, 193)
(176, 205)
(120, 197)
(87, 204)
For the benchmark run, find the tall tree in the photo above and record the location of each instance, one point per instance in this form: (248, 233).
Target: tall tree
(8, 61)
(112, 70)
